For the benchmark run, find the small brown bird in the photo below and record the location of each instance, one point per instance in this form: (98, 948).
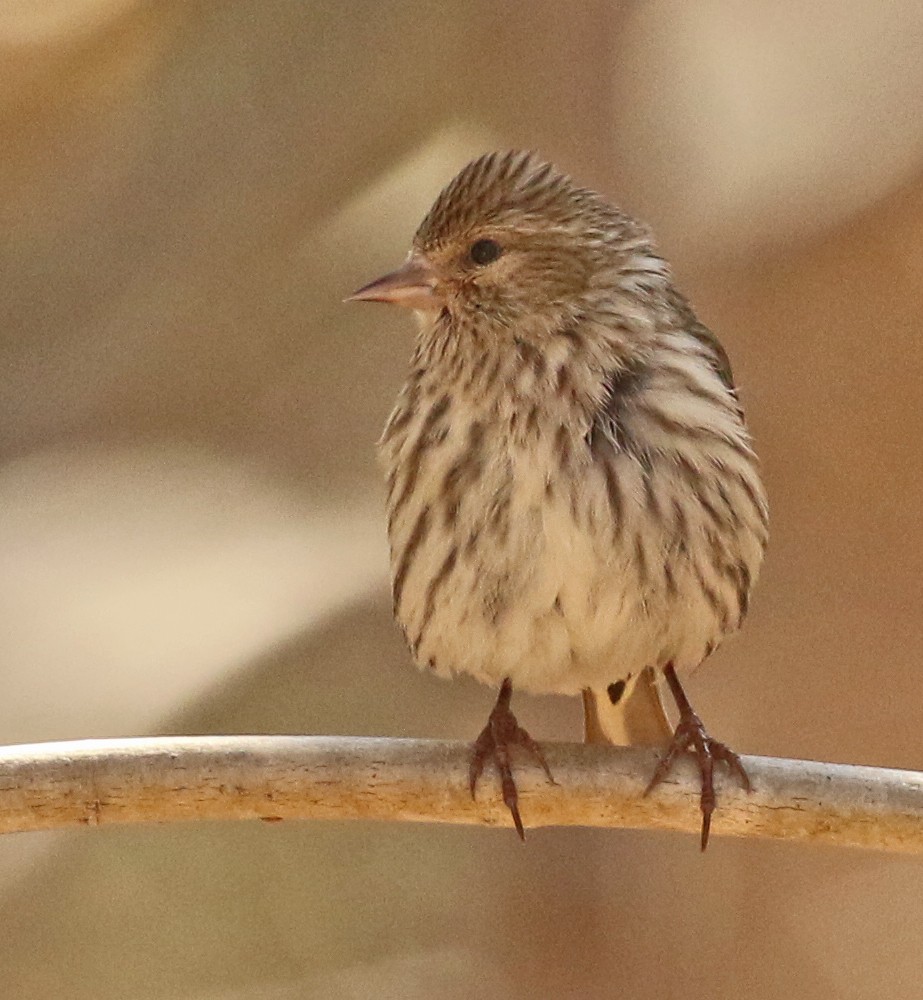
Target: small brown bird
(574, 504)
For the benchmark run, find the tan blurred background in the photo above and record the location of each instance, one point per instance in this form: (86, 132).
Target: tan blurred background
(191, 536)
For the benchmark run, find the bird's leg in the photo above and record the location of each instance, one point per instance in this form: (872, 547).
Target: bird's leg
(690, 735)
(502, 732)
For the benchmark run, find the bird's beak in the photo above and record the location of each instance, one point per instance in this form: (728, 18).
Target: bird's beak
(413, 286)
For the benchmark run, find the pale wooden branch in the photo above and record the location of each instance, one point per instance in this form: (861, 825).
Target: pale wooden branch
(94, 782)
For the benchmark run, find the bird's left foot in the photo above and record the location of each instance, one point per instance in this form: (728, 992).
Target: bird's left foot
(502, 732)
(690, 735)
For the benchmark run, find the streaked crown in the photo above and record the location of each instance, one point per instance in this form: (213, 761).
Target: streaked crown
(514, 187)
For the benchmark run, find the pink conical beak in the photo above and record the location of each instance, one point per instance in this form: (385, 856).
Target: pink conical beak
(413, 286)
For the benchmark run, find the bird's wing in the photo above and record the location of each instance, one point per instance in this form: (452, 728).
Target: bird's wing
(632, 712)
(629, 711)
(720, 361)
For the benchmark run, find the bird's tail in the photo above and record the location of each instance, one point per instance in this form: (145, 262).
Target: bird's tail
(627, 713)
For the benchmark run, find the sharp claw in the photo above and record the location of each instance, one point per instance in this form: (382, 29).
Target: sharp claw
(735, 766)
(690, 736)
(524, 739)
(481, 751)
(678, 745)
(501, 732)
(517, 820)
(706, 828)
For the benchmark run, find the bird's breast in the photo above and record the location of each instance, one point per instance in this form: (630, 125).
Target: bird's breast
(522, 548)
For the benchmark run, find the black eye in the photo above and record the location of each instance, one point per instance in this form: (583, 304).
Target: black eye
(485, 251)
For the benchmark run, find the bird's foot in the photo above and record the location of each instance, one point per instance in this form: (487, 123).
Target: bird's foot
(500, 734)
(690, 735)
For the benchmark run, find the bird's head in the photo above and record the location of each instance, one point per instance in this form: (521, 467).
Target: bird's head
(511, 241)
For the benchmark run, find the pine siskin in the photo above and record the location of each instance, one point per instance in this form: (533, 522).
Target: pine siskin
(574, 504)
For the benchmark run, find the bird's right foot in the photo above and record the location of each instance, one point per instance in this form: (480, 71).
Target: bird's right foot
(500, 734)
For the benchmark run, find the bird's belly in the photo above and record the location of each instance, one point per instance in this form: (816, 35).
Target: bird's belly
(540, 584)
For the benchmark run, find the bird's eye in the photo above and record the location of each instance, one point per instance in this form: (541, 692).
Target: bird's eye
(485, 251)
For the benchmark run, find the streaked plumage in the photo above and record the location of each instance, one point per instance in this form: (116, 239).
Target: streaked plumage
(572, 493)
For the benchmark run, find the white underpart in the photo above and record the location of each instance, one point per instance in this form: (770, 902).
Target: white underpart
(562, 603)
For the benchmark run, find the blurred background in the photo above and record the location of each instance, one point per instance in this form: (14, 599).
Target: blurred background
(192, 538)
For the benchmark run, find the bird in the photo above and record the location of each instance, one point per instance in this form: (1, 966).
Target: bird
(574, 502)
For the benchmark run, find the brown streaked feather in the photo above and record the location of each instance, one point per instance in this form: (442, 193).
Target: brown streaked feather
(594, 448)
